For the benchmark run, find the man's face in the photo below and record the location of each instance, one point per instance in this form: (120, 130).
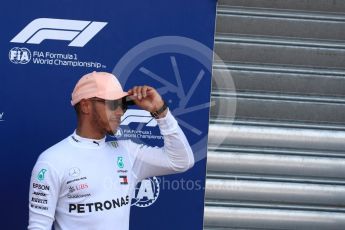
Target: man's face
(106, 115)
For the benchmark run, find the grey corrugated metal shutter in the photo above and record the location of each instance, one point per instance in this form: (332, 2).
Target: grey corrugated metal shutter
(281, 160)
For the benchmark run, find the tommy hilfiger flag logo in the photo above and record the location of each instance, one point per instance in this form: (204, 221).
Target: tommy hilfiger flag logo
(123, 179)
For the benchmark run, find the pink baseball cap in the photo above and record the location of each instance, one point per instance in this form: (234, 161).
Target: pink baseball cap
(97, 84)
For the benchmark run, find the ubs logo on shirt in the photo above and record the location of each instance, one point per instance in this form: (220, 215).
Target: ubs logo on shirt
(78, 187)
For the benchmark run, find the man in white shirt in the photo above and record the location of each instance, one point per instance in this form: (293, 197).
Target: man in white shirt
(85, 183)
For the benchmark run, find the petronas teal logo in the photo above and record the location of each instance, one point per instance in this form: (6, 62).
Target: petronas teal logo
(40, 175)
(120, 163)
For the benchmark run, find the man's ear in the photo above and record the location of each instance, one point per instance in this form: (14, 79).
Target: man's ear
(85, 106)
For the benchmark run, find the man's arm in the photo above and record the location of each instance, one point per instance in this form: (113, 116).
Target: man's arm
(43, 196)
(175, 156)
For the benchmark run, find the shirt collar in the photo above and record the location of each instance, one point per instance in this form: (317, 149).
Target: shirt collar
(87, 142)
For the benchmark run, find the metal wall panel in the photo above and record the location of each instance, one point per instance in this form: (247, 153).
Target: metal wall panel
(279, 161)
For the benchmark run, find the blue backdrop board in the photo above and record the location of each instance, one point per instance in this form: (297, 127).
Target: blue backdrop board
(46, 46)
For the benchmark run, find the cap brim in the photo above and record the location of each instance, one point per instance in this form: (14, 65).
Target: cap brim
(130, 101)
(115, 96)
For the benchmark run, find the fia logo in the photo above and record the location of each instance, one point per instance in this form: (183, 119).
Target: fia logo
(76, 31)
(146, 192)
(19, 55)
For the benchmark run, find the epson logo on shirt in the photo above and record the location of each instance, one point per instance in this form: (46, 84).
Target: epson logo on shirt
(76, 31)
(99, 206)
(41, 186)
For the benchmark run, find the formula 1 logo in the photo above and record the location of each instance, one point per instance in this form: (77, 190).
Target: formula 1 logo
(76, 31)
(138, 125)
(138, 116)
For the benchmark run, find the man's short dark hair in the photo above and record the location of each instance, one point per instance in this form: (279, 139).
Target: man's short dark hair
(77, 109)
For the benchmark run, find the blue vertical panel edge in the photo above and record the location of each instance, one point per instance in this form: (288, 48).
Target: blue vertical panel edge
(165, 44)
